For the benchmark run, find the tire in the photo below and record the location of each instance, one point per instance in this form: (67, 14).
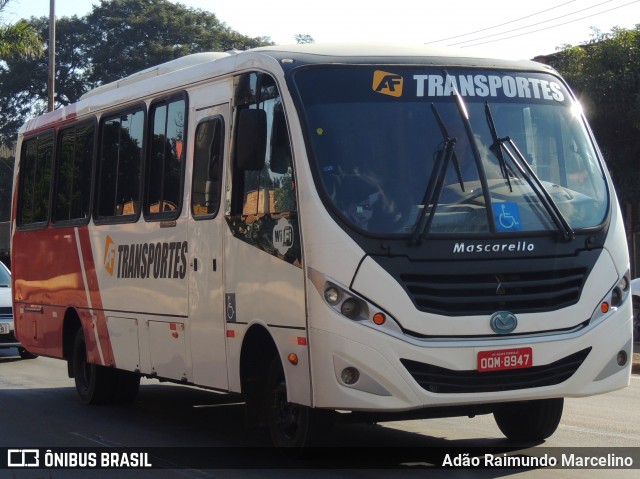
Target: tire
(529, 421)
(95, 384)
(291, 426)
(24, 354)
(127, 385)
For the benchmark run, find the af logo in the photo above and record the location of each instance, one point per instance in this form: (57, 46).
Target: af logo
(109, 255)
(387, 83)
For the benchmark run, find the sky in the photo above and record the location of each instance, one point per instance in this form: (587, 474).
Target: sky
(505, 28)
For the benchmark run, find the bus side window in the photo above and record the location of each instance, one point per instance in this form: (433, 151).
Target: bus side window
(119, 166)
(269, 190)
(165, 160)
(35, 180)
(207, 168)
(73, 173)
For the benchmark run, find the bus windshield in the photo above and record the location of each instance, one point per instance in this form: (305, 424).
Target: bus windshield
(422, 151)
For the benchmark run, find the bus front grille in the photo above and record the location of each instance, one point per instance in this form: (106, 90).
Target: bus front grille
(447, 381)
(485, 292)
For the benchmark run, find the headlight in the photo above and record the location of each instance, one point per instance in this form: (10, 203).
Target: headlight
(352, 306)
(614, 298)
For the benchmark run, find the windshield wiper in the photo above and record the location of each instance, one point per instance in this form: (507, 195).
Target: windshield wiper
(496, 146)
(507, 145)
(445, 136)
(432, 193)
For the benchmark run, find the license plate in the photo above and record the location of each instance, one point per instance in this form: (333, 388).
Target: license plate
(503, 359)
(4, 328)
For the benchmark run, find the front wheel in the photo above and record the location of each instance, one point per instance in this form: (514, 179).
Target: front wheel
(291, 425)
(529, 421)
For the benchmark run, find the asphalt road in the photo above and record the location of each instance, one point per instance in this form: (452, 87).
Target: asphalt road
(39, 408)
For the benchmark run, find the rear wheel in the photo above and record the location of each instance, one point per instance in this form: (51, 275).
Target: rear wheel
(126, 387)
(98, 384)
(530, 420)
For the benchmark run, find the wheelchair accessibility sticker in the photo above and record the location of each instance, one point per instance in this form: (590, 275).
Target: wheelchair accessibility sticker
(507, 217)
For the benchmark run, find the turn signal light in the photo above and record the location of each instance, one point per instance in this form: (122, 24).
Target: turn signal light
(379, 319)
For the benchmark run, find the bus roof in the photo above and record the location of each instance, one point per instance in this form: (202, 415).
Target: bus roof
(201, 66)
(394, 53)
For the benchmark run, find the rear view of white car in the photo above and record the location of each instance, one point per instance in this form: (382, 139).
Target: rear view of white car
(7, 336)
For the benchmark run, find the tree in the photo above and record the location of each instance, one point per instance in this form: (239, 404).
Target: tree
(303, 38)
(23, 80)
(605, 75)
(19, 39)
(117, 38)
(125, 36)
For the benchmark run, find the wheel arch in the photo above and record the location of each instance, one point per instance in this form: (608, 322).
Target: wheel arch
(258, 350)
(256, 355)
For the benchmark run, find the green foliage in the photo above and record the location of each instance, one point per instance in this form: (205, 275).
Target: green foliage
(125, 36)
(303, 38)
(117, 38)
(605, 75)
(285, 197)
(19, 39)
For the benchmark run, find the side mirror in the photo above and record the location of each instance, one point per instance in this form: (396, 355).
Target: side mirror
(251, 140)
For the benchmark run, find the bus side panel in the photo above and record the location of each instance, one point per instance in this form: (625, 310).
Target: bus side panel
(43, 295)
(141, 271)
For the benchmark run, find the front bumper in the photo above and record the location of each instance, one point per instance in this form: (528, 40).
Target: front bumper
(8, 340)
(588, 359)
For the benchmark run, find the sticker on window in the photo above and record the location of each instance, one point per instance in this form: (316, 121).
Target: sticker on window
(507, 216)
(283, 236)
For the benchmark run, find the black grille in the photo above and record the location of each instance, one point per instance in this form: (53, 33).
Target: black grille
(6, 311)
(8, 338)
(485, 292)
(465, 287)
(446, 381)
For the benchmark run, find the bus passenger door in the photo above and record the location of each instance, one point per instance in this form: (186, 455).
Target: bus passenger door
(264, 279)
(207, 325)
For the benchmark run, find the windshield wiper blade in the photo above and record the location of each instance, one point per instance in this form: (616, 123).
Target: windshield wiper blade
(445, 136)
(496, 146)
(531, 178)
(432, 193)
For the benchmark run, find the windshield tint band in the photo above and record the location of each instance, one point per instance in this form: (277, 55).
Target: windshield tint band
(374, 141)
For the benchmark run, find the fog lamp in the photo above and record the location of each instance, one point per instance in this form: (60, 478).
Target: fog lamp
(350, 375)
